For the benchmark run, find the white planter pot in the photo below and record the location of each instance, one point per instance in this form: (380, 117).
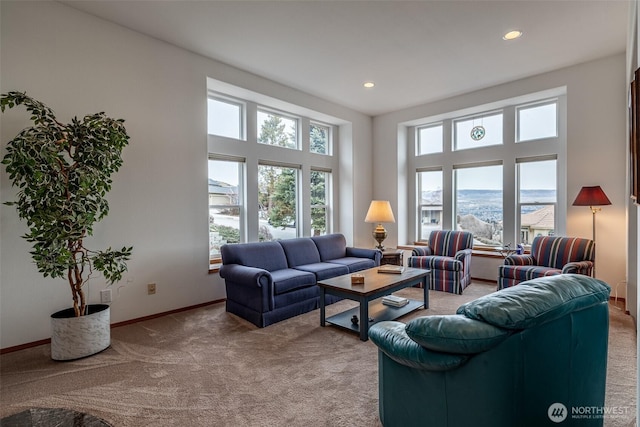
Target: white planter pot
(76, 337)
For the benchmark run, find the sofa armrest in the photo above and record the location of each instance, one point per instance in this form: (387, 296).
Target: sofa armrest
(463, 255)
(422, 251)
(392, 339)
(250, 285)
(578, 267)
(373, 254)
(520, 260)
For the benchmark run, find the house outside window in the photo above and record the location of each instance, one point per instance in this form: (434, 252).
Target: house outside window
(226, 204)
(429, 202)
(537, 198)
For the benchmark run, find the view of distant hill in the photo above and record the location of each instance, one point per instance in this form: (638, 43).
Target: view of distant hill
(487, 204)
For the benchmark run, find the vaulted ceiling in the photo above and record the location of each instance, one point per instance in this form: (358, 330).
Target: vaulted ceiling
(415, 51)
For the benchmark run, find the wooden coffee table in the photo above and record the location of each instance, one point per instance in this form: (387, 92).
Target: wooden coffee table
(376, 285)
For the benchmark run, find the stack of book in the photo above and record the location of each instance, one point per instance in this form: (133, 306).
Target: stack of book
(394, 301)
(392, 269)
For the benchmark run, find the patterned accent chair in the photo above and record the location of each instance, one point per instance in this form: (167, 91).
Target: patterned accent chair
(448, 256)
(550, 255)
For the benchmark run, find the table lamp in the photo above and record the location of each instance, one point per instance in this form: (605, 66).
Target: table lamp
(379, 212)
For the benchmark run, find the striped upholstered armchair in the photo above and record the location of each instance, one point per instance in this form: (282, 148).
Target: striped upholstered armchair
(549, 256)
(448, 256)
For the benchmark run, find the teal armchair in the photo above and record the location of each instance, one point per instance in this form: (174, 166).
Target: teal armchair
(518, 357)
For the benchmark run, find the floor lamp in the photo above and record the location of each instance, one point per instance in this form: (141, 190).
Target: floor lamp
(592, 197)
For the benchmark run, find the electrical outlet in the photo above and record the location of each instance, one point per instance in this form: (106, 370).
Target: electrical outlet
(105, 296)
(151, 288)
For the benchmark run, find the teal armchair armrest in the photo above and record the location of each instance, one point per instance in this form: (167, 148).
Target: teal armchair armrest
(392, 339)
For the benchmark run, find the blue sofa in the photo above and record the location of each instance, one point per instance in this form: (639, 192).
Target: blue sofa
(523, 356)
(268, 282)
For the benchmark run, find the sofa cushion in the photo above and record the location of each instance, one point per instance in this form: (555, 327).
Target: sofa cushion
(435, 262)
(290, 279)
(331, 246)
(537, 301)
(324, 270)
(354, 264)
(455, 334)
(266, 255)
(300, 251)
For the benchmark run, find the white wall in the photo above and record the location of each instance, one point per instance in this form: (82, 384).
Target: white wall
(596, 155)
(78, 64)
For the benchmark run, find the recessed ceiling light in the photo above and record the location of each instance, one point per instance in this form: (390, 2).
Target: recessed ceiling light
(369, 85)
(511, 35)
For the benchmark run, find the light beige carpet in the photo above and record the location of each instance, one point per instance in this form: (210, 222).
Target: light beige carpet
(205, 367)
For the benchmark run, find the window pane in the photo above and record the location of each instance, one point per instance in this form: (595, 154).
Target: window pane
(278, 193)
(537, 198)
(478, 200)
(429, 140)
(429, 202)
(537, 122)
(319, 202)
(224, 204)
(319, 138)
(224, 118)
(479, 131)
(277, 130)
(537, 181)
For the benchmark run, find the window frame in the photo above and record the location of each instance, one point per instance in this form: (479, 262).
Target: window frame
(328, 181)
(282, 115)
(329, 128)
(421, 205)
(521, 204)
(242, 125)
(507, 153)
(418, 138)
(519, 108)
(240, 205)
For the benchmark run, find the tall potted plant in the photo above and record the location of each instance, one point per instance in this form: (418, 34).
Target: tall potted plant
(63, 173)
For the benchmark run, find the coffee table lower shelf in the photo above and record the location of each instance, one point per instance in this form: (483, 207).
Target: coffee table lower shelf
(377, 311)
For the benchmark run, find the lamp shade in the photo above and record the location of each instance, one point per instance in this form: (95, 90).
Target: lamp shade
(380, 211)
(591, 196)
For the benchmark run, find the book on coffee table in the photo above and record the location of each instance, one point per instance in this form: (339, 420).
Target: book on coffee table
(392, 269)
(394, 301)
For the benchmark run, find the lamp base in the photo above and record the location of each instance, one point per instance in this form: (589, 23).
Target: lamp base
(379, 234)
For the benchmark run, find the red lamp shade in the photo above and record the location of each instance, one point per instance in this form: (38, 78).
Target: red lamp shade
(591, 196)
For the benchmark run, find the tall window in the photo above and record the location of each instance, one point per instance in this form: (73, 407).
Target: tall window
(500, 177)
(277, 201)
(225, 118)
(226, 205)
(278, 182)
(429, 202)
(320, 138)
(537, 198)
(478, 202)
(276, 129)
(320, 185)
